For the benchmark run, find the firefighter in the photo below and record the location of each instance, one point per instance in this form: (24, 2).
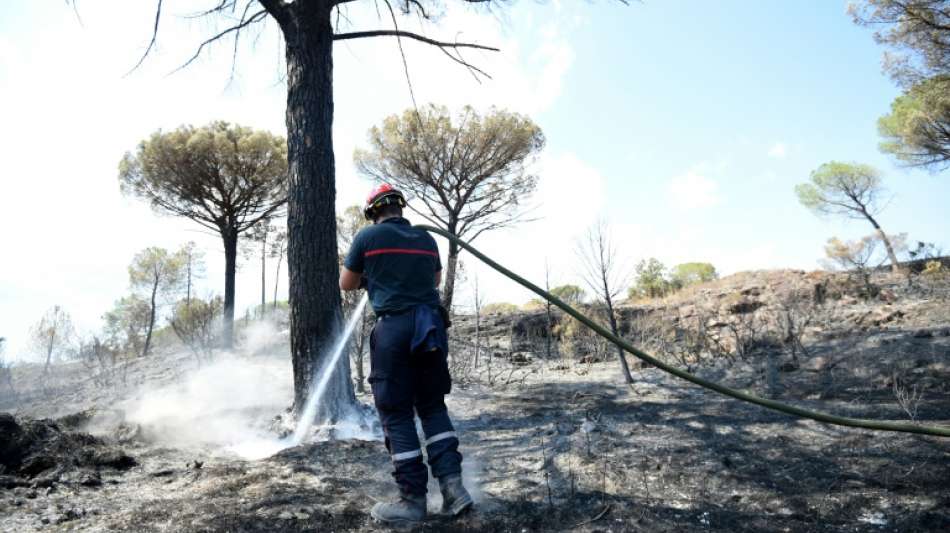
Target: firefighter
(400, 268)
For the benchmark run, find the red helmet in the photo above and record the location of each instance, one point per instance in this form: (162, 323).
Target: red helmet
(383, 194)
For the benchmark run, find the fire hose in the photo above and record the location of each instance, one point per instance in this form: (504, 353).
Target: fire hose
(878, 425)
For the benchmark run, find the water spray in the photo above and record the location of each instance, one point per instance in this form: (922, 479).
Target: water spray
(305, 420)
(261, 448)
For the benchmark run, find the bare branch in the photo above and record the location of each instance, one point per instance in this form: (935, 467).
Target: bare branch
(151, 43)
(410, 35)
(256, 17)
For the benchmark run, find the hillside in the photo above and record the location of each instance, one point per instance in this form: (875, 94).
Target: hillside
(555, 443)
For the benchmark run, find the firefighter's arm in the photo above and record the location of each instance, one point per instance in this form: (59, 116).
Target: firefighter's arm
(349, 280)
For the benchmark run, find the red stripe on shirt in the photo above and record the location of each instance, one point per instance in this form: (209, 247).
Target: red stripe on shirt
(409, 251)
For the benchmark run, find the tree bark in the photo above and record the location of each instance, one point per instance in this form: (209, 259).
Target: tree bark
(151, 318)
(277, 279)
(315, 316)
(895, 264)
(49, 351)
(230, 237)
(263, 275)
(360, 347)
(448, 280)
(625, 368)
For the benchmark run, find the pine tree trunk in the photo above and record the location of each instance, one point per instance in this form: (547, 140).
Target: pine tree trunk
(315, 317)
(277, 279)
(624, 367)
(151, 319)
(895, 264)
(230, 238)
(49, 351)
(448, 280)
(263, 274)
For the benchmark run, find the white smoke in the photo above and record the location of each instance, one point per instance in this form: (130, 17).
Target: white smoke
(229, 401)
(232, 404)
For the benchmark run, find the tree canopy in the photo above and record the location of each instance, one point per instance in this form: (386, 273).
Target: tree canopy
(156, 272)
(224, 177)
(467, 174)
(570, 294)
(52, 335)
(686, 274)
(850, 190)
(916, 31)
(917, 130)
(651, 281)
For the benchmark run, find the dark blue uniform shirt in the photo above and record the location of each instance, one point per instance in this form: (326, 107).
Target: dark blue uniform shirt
(399, 263)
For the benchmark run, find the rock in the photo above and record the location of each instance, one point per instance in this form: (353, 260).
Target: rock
(744, 307)
(751, 290)
(31, 494)
(285, 515)
(9, 482)
(114, 459)
(887, 295)
(34, 466)
(301, 516)
(887, 315)
(788, 366)
(520, 358)
(91, 480)
(923, 334)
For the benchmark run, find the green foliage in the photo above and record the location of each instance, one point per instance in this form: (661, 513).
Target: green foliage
(570, 294)
(651, 280)
(499, 308)
(197, 324)
(917, 31)
(127, 323)
(836, 188)
(156, 269)
(686, 274)
(917, 130)
(208, 172)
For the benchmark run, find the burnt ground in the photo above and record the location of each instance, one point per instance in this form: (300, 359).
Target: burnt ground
(568, 449)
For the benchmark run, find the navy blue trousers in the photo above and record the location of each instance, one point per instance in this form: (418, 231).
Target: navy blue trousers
(406, 384)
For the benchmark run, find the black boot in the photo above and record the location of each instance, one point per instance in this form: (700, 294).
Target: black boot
(455, 499)
(408, 509)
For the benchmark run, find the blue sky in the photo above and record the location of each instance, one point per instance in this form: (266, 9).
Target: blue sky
(685, 124)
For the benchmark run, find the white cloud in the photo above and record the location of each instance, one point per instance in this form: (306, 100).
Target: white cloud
(778, 150)
(693, 191)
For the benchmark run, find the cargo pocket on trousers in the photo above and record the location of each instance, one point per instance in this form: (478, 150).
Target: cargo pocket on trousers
(434, 373)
